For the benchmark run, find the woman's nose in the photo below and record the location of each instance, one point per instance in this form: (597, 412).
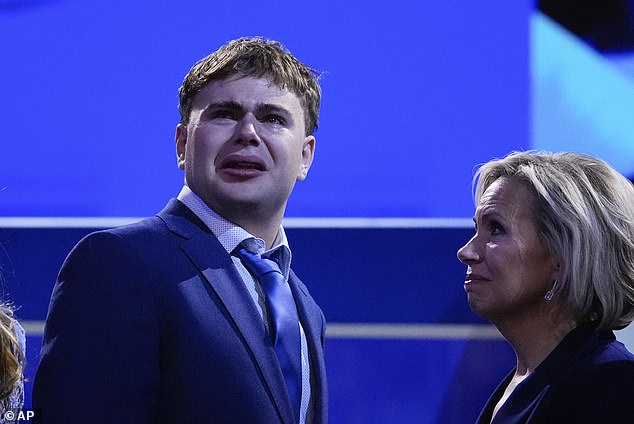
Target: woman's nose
(468, 253)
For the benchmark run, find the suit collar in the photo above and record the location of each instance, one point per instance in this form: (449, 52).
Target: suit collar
(181, 221)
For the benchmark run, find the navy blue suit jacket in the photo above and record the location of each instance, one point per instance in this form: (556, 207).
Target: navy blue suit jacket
(151, 323)
(587, 379)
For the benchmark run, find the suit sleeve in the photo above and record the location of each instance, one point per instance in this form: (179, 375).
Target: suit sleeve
(99, 361)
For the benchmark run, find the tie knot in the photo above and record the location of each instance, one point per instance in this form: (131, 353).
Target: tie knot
(256, 263)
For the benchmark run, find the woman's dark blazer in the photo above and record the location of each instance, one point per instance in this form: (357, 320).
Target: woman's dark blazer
(588, 378)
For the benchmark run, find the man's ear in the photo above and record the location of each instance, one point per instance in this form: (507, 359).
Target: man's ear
(308, 152)
(181, 141)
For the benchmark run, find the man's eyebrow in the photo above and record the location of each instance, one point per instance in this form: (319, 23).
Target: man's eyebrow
(226, 104)
(234, 106)
(271, 107)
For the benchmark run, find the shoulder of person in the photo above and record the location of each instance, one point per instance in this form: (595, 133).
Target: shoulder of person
(143, 231)
(112, 254)
(604, 372)
(592, 391)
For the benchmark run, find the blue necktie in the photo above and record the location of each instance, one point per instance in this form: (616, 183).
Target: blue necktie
(284, 319)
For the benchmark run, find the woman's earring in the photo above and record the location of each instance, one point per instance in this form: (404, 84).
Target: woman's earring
(550, 293)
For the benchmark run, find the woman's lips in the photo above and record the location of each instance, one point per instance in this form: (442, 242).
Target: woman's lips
(474, 278)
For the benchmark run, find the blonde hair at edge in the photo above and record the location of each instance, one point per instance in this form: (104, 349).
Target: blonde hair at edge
(585, 212)
(11, 355)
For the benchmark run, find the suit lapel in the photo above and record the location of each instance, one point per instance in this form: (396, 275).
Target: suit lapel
(312, 321)
(207, 254)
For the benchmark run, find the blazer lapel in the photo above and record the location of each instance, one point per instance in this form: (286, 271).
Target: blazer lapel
(207, 254)
(312, 321)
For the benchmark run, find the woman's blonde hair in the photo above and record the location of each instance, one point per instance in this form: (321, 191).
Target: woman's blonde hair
(12, 359)
(585, 213)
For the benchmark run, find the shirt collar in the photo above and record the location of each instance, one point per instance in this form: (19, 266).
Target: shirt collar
(231, 235)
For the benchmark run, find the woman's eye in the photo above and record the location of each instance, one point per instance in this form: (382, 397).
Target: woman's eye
(496, 228)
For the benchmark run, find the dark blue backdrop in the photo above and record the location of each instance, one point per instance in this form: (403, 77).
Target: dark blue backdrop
(415, 95)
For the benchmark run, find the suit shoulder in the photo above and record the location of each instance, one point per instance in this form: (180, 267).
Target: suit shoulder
(611, 357)
(592, 389)
(145, 229)
(124, 247)
(606, 369)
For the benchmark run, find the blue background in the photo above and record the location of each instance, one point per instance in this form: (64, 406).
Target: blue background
(416, 95)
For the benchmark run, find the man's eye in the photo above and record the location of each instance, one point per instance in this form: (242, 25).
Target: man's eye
(223, 114)
(274, 119)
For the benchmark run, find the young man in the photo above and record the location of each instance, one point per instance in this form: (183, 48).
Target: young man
(166, 320)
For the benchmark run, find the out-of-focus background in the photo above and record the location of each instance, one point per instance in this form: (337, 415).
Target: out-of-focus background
(415, 97)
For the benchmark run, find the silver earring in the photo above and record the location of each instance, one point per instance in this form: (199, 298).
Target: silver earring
(550, 293)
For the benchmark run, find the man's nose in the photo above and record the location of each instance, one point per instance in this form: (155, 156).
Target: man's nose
(247, 130)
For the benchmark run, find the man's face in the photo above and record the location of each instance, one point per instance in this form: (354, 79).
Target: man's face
(244, 147)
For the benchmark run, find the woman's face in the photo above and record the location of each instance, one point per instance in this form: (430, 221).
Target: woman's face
(509, 269)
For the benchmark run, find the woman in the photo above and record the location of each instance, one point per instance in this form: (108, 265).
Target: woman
(12, 342)
(551, 265)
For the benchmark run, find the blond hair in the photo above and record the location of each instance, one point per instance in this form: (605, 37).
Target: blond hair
(12, 359)
(585, 213)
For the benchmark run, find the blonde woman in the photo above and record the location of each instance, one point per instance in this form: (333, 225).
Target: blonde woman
(552, 266)
(12, 346)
